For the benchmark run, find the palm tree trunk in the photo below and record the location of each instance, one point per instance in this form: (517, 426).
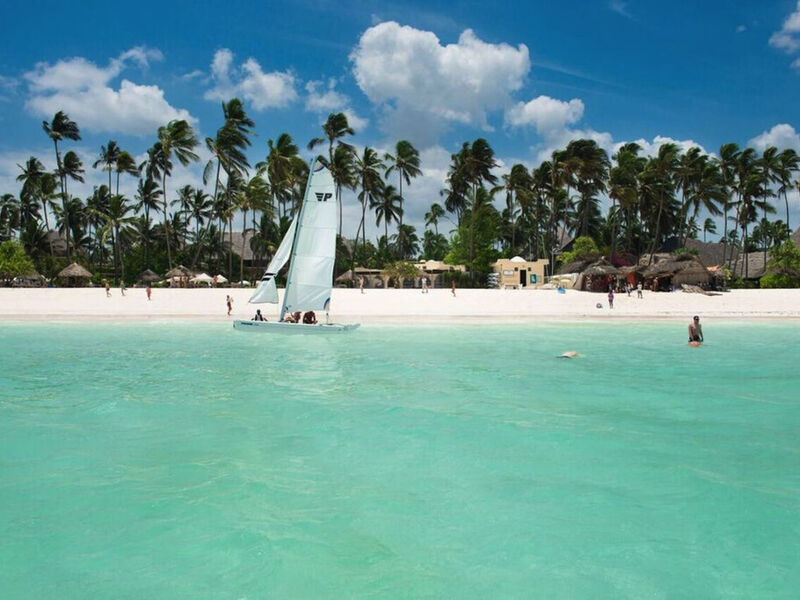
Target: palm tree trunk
(116, 255)
(119, 255)
(658, 228)
(613, 229)
(472, 234)
(241, 256)
(63, 198)
(166, 220)
(47, 225)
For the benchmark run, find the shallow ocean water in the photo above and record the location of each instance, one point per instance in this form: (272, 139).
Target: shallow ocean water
(178, 460)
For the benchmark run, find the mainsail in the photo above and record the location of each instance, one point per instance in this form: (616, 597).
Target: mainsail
(308, 286)
(267, 291)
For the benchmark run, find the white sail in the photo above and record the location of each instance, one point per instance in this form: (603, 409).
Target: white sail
(267, 291)
(310, 279)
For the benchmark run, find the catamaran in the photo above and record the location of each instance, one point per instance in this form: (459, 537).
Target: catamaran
(309, 247)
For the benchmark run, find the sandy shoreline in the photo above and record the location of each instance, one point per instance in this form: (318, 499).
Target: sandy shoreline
(398, 306)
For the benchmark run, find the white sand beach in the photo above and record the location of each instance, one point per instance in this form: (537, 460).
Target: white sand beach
(401, 306)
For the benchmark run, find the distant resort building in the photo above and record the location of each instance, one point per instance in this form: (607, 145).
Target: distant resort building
(519, 273)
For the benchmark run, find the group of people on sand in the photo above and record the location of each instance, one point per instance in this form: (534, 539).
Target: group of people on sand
(123, 289)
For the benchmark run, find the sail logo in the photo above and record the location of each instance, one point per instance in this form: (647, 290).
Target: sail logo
(323, 197)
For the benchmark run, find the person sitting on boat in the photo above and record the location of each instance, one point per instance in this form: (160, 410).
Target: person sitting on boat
(289, 318)
(258, 316)
(310, 318)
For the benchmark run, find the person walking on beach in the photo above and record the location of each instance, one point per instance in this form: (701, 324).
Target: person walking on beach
(424, 285)
(108, 288)
(610, 297)
(695, 330)
(149, 291)
(229, 303)
(453, 288)
(639, 290)
(361, 283)
(122, 288)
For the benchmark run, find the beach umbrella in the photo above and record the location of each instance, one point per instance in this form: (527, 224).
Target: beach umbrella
(179, 271)
(221, 279)
(148, 276)
(202, 278)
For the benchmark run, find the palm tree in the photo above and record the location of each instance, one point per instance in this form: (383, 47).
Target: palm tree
(254, 195)
(147, 195)
(335, 128)
(771, 166)
(229, 146)
(9, 216)
(108, 158)
(406, 242)
(343, 172)
(72, 168)
(31, 178)
(789, 163)
(177, 139)
(728, 159)
(476, 162)
(117, 221)
(387, 208)
(368, 169)
(623, 184)
(61, 128)
(280, 166)
(661, 170)
(406, 162)
(432, 217)
(517, 185)
(125, 164)
(591, 174)
(709, 226)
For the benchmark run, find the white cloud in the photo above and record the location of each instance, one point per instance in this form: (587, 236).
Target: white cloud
(781, 136)
(788, 37)
(324, 98)
(650, 147)
(741, 29)
(545, 114)
(82, 89)
(411, 73)
(263, 90)
(192, 75)
(621, 8)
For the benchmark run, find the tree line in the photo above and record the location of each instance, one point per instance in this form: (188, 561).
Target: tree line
(654, 201)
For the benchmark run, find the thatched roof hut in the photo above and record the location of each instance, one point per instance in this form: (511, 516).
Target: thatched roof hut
(149, 276)
(685, 268)
(179, 271)
(75, 271)
(601, 267)
(574, 267)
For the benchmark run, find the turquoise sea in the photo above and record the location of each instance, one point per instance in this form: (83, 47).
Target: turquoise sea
(177, 460)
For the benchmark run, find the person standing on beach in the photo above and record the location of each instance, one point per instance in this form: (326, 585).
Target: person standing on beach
(149, 291)
(639, 290)
(424, 285)
(695, 330)
(610, 297)
(361, 283)
(453, 287)
(122, 288)
(108, 288)
(229, 303)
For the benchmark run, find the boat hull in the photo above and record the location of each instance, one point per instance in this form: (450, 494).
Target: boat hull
(293, 328)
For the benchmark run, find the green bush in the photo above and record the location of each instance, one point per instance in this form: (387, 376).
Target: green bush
(779, 281)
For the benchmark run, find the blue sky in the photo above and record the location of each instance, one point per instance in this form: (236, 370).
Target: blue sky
(528, 76)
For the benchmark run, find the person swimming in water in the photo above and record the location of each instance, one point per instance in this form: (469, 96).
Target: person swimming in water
(695, 330)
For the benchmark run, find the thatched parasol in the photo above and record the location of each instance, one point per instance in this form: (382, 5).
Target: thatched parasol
(75, 271)
(179, 271)
(148, 276)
